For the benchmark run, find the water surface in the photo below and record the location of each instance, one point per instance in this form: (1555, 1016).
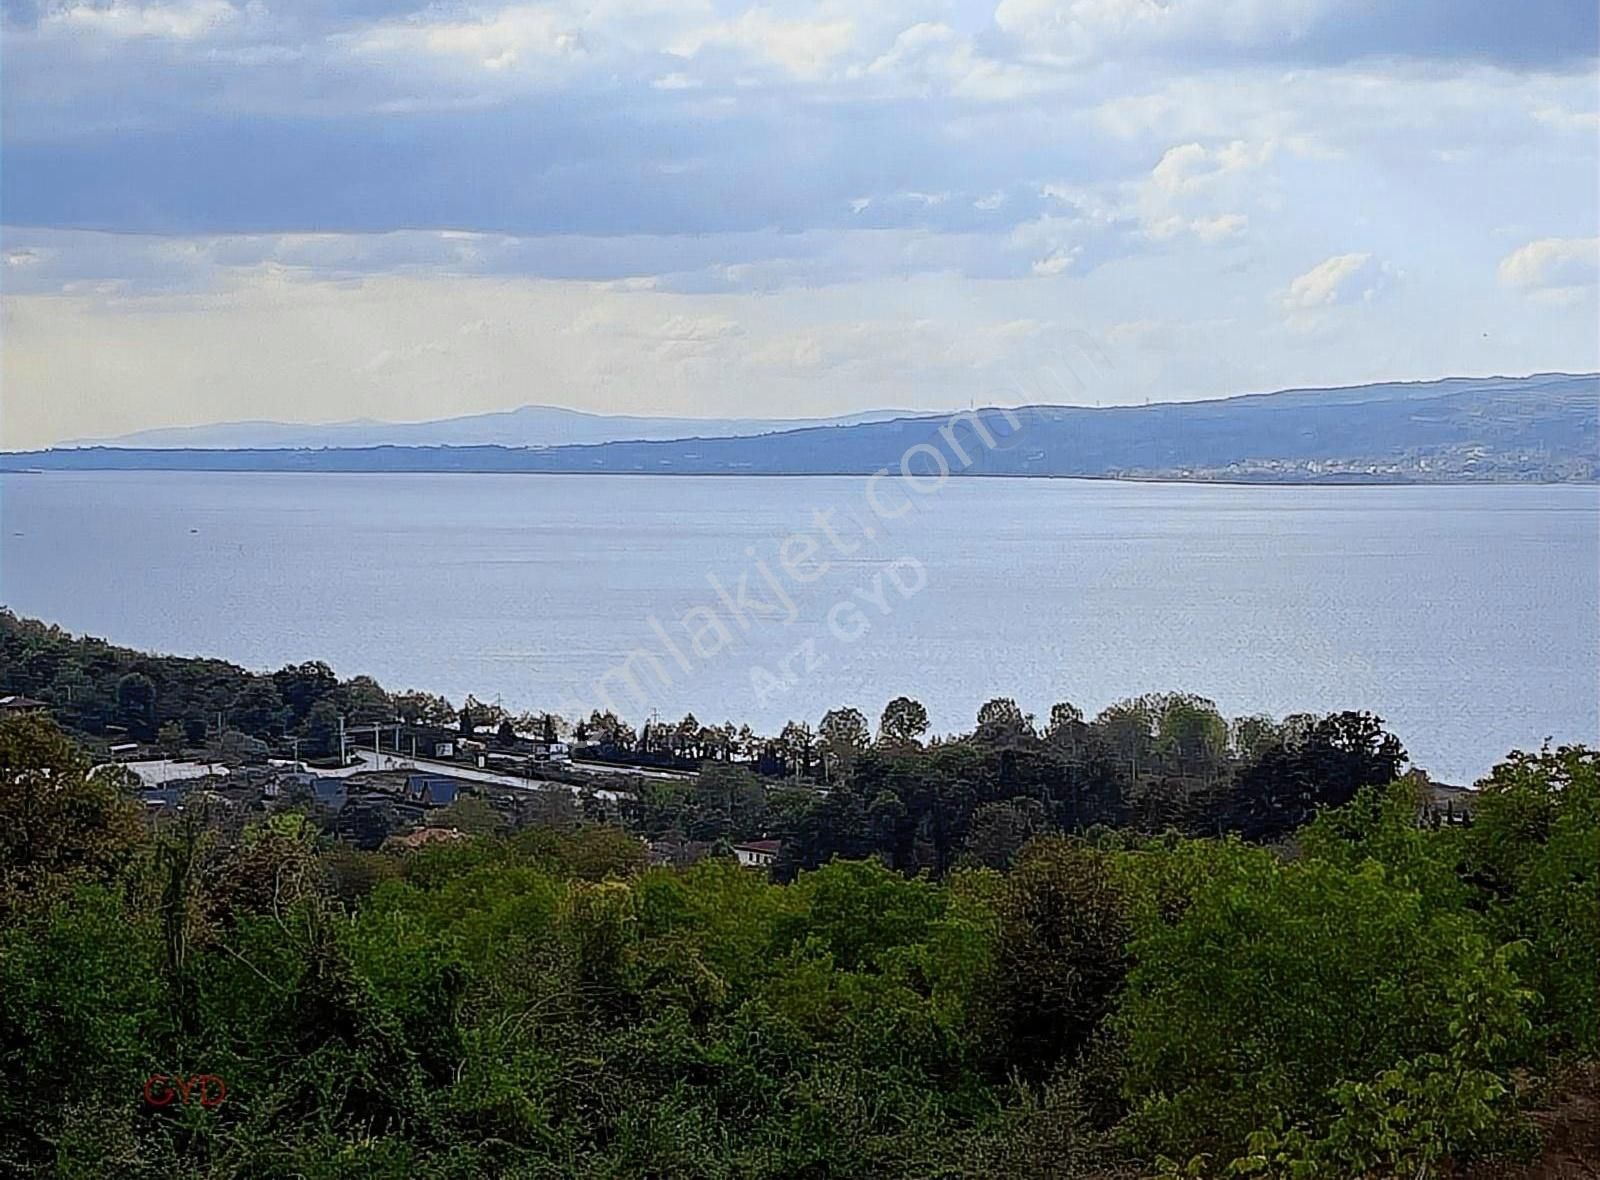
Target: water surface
(1466, 616)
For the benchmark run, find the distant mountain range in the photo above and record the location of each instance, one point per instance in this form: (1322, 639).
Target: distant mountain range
(1545, 427)
(527, 426)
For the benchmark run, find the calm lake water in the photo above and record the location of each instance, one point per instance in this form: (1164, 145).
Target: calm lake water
(1468, 617)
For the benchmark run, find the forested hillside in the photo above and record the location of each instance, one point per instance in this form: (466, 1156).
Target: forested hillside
(1393, 999)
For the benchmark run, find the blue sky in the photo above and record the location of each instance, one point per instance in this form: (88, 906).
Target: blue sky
(222, 209)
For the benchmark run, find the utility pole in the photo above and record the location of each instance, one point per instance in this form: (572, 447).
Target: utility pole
(341, 740)
(377, 737)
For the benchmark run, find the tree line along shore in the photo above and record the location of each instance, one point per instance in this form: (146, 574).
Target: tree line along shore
(1149, 943)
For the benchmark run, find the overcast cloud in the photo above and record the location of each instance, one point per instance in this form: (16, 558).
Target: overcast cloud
(221, 209)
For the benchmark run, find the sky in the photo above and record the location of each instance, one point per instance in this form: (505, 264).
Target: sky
(315, 210)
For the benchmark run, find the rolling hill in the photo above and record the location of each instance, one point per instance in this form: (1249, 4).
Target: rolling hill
(526, 426)
(1544, 427)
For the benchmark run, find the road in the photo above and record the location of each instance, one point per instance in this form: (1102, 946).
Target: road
(382, 761)
(637, 771)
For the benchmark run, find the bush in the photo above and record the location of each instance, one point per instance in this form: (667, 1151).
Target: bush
(1534, 853)
(1281, 982)
(1060, 956)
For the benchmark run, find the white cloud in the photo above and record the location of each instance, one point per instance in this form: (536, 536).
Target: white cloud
(932, 58)
(1554, 269)
(404, 346)
(804, 48)
(1558, 117)
(1136, 333)
(916, 48)
(1077, 159)
(1218, 228)
(1079, 30)
(1055, 262)
(690, 328)
(510, 38)
(1192, 168)
(1339, 279)
(1205, 31)
(1208, 229)
(183, 21)
(1183, 191)
(266, 340)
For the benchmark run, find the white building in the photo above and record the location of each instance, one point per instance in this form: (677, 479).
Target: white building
(758, 854)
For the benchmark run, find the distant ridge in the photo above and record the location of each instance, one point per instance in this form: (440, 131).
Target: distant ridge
(1540, 428)
(526, 426)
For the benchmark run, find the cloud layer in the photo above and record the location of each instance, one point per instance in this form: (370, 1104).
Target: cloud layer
(906, 203)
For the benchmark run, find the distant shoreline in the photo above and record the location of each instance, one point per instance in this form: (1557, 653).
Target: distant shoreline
(1536, 430)
(1340, 481)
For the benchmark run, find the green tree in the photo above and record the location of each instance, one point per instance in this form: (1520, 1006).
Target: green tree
(1066, 728)
(844, 734)
(1001, 720)
(590, 852)
(57, 821)
(422, 708)
(469, 815)
(259, 709)
(859, 911)
(903, 723)
(726, 801)
(798, 744)
(1320, 764)
(999, 830)
(1060, 957)
(1191, 736)
(136, 704)
(322, 729)
(353, 874)
(302, 685)
(366, 824)
(1129, 730)
(84, 1010)
(363, 702)
(171, 738)
(1532, 855)
(1250, 737)
(1278, 982)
